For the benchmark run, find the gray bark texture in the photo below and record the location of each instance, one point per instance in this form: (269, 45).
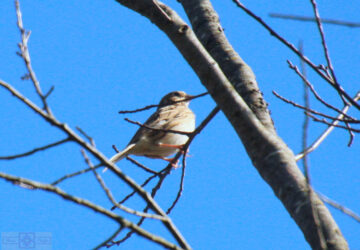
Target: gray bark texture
(233, 86)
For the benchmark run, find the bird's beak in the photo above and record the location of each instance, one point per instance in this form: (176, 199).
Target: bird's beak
(190, 97)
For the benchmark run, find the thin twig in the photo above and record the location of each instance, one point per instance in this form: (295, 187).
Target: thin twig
(111, 197)
(104, 161)
(315, 214)
(322, 137)
(12, 157)
(331, 124)
(317, 96)
(166, 171)
(96, 208)
(49, 92)
(105, 242)
(326, 52)
(312, 19)
(306, 118)
(158, 129)
(56, 182)
(158, 106)
(90, 139)
(313, 111)
(294, 49)
(134, 192)
(153, 193)
(143, 167)
(340, 207)
(138, 164)
(181, 186)
(26, 56)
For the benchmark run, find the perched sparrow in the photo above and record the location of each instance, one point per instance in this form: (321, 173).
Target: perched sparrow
(172, 114)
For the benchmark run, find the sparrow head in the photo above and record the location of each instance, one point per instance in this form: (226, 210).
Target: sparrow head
(175, 97)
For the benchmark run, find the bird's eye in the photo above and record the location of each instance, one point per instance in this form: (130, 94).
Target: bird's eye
(177, 94)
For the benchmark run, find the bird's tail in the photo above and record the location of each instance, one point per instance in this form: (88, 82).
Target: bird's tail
(121, 155)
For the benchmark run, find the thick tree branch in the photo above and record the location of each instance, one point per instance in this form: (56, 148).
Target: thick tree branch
(269, 154)
(207, 27)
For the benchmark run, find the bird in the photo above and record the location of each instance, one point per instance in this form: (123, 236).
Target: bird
(173, 113)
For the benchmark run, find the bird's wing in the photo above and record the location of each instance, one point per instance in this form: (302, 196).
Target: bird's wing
(152, 121)
(164, 118)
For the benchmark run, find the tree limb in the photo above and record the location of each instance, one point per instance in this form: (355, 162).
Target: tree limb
(269, 154)
(125, 223)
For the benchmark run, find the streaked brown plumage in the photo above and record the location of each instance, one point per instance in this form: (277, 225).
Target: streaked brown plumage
(170, 115)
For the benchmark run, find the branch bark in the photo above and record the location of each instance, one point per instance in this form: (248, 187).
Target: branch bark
(269, 154)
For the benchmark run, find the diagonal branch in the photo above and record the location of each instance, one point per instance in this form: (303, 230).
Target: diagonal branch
(65, 177)
(111, 197)
(54, 144)
(105, 242)
(322, 137)
(269, 154)
(166, 171)
(125, 223)
(207, 27)
(296, 51)
(159, 106)
(312, 19)
(317, 96)
(331, 124)
(309, 110)
(340, 207)
(103, 160)
(158, 129)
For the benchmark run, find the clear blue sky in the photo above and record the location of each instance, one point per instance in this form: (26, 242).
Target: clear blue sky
(102, 57)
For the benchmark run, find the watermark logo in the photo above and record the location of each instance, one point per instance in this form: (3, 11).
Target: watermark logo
(26, 240)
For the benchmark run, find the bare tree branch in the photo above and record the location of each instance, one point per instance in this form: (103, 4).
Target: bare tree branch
(140, 165)
(166, 171)
(181, 186)
(158, 129)
(312, 19)
(331, 124)
(68, 176)
(89, 138)
(322, 137)
(33, 151)
(111, 197)
(335, 84)
(297, 52)
(269, 154)
(105, 242)
(308, 110)
(317, 96)
(125, 223)
(340, 207)
(104, 161)
(157, 105)
(305, 161)
(26, 56)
